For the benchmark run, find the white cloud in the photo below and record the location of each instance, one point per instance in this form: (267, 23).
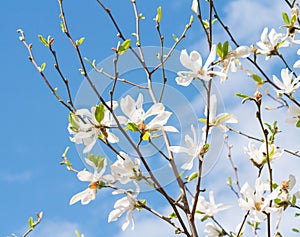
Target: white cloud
(58, 228)
(246, 19)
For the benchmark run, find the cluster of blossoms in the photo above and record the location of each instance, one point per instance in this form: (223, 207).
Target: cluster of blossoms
(261, 201)
(124, 170)
(86, 126)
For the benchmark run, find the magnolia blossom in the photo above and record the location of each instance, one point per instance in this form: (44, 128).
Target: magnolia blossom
(256, 200)
(195, 6)
(193, 62)
(94, 178)
(259, 155)
(282, 196)
(219, 121)
(294, 112)
(85, 128)
(212, 230)
(230, 60)
(193, 149)
(125, 204)
(124, 170)
(288, 84)
(270, 42)
(208, 209)
(135, 114)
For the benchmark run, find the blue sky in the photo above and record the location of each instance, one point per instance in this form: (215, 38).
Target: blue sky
(34, 123)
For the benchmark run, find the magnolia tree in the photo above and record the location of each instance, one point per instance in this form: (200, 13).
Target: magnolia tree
(137, 134)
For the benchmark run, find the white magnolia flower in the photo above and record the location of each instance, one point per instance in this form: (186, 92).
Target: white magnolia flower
(294, 112)
(94, 178)
(269, 43)
(283, 197)
(193, 149)
(256, 200)
(125, 204)
(259, 155)
(85, 128)
(297, 63)
(219, 121)
(193, 62)
(135, 114)
(282, 194)
(124, 170)
(230, 61)
(208, 209)
(195, 6)
(288, 84)
(212, 230)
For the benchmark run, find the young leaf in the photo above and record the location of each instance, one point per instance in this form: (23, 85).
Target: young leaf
(132, 127)
(42, 67)
(172, 215)
(175, 37)
(30, 222)
(123, 47)
(225, 48)
(159, 15)
(220, 50)
(192, 176)
(285, 18)
(258, 79)
(241, 95)
(298, 124)
(99, 112)
(43, 40)
(80, 41)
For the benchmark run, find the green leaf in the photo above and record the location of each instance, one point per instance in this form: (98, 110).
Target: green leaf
(225, 48)
(191, 21)
(30, 222)
(97, 160)
(297, 214)
(241, 95)
(140, 206)
(62, 25)
(43, 66)
(72, 120)
(205, 24)
(132, 127)
(229, 181)
(175, 37)
(159, 15)
(43, 40)
(172, 215)
(274, 185)
(294, 200)
(99, 112)
(123, 47)
(258, 79)
(285, 18)
(202, 120)
(192, 176)
(295, 230)
(80, 41)
(220, 50)
(294, 19)
(298, 124)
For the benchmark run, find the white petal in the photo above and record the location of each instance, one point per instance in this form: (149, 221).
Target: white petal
(85, 176)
